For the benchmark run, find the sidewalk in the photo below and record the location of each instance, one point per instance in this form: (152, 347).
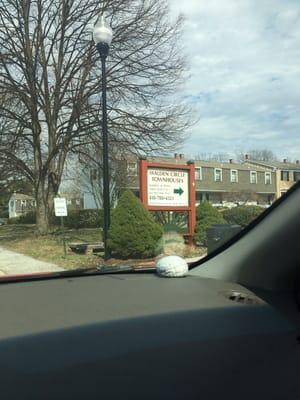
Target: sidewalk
(12, 263)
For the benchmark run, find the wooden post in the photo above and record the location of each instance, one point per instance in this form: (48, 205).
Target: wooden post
(191, 208)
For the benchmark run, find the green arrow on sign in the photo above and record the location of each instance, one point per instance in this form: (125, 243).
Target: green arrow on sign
(178, 191)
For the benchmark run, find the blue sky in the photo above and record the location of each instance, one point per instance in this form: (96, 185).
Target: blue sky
(244, 83)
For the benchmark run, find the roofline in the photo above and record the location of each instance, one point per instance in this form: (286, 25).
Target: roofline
(209, 164)
(288, 167)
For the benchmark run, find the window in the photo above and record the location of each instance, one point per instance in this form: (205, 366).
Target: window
(198, 173)
(268, 178)
(218, 175)
(131, 168)
(285, 176)
(234, 175)
(199, 197)
(93, 174)
(23, 205)
(296, 176)
(253, 177)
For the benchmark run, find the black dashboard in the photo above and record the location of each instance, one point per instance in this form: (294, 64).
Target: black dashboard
(141, 336)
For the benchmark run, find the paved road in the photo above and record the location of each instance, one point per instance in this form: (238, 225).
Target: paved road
(12, 263)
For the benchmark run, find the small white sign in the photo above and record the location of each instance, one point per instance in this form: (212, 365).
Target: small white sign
(168, 187)
(60, 207)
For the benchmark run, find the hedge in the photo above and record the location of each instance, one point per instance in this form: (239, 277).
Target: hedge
(76, 219)
(207, 216)
(28, 218)
(242, 215)
(4, 214)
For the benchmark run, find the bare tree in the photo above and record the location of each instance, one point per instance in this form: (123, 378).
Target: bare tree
(90, 160)
(50, 72)
(242, 197)
(257, 154)
(219, 157)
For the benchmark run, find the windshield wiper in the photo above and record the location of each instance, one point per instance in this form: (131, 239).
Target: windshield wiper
(99, 270)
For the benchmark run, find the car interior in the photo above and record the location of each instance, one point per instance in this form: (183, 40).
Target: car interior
(229, 329)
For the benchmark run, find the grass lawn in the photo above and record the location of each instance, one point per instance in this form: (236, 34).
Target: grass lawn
(23, 239)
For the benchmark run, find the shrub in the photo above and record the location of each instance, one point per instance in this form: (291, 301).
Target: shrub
(133, 231)
(12, 221)
(28, 218)
(77, 219)
(4, 214)
(207, 216)
(242, 215)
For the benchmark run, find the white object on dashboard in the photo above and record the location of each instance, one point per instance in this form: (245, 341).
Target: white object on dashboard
(172, 267)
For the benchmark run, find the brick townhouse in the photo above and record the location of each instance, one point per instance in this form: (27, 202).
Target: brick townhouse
(227, 183)
(286, 173)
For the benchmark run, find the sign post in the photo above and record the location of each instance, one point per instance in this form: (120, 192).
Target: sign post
(60, 209)
(169, 187)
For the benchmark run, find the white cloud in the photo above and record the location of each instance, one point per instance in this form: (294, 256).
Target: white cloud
(244, 57)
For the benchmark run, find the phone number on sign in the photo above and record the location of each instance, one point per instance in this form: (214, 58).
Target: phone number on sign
(161, 198)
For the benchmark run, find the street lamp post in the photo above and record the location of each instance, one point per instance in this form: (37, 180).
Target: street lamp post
(102, 36)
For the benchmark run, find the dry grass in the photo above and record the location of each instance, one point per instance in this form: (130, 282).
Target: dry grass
(173, 244)
(23, 239)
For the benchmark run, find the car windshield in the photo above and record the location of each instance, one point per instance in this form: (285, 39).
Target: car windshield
(133, 130)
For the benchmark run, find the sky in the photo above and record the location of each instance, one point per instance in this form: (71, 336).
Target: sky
(244, 75)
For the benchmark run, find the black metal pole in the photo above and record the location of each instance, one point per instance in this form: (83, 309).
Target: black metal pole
(103, 50)
(63, 235)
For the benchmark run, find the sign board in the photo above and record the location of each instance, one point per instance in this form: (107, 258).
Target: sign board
(168, 187)
(60, 207)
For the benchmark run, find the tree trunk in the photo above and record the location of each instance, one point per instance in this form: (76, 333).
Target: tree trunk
(44, 207)
(42, 219)
(50, 204)
(42, 216)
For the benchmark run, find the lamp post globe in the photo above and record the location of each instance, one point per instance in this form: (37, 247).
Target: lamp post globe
(102, 32)
(102, 35)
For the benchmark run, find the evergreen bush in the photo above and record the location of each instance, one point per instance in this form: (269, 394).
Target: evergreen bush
(207, 216)
(133, 232)
(242, 215)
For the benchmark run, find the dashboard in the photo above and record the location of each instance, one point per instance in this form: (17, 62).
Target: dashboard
(142, 336)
